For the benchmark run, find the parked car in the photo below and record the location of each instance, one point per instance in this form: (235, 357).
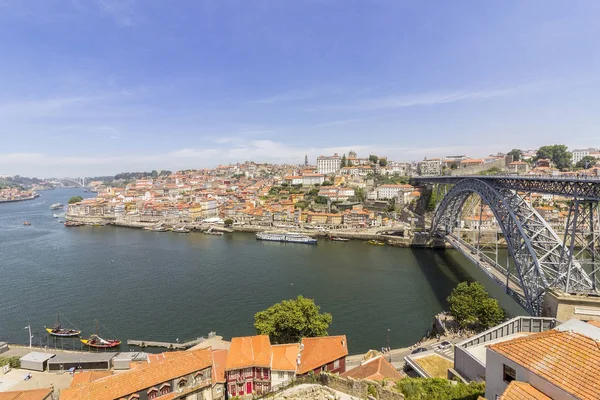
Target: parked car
(419, 350)
(445, 344)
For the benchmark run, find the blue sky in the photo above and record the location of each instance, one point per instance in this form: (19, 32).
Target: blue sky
(92, 87)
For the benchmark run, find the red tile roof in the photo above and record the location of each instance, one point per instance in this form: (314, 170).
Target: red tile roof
(319, 351)
(36, 394)
(285, 357)
(375, 369)
(249, 351)
(522, 391)
(568, 360)
(143, 377)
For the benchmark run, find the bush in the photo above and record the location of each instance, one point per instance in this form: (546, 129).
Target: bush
(439, 389)
(228, 222)
(75, 199)
(14, 362)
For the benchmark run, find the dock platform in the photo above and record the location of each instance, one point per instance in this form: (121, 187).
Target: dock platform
(167, 345)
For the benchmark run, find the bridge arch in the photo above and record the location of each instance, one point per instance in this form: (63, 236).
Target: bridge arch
(537, 252)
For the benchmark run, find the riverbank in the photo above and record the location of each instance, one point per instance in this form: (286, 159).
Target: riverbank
(419, 240)
(32, 197)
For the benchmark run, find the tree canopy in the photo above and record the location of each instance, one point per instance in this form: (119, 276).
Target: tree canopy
(586, 162)
(439, 389)
(75, 199)
(516, 154)
(382, 162)
(373, 158)
(343, 162)
(291, 320)
(558, 153)
(472, 307)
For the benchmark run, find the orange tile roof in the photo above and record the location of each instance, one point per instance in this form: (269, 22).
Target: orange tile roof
(567, 359)
(142, 377)
(285, 357)
(88, 376)
(594, 323)
(522, 391)
(219, 360)
(36, 394)
(320, 351)
(249, 351)
(375, 369)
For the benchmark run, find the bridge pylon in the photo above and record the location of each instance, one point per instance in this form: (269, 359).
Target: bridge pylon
(582, 240)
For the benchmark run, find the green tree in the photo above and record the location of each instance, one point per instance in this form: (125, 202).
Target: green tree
(382, 162)
(373, 158)
(586, 162)
(360, 194)
(349, 163)
(291, 320)
(75, 199)
(516, 154)
(228, 222)
(472, 307)
(558, 153)
(439, 389)
(343, 163)
(321, 200)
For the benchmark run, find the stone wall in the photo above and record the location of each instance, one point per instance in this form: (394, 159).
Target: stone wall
(360, 388)
(313, 392)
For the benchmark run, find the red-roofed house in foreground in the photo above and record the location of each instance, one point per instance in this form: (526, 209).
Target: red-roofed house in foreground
(254, 366)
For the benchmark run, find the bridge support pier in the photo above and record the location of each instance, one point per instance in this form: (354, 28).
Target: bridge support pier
(564, 306)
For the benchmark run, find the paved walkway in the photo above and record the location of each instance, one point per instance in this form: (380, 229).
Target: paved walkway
(15, 380)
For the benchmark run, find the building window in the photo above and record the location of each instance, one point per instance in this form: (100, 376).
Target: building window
(509, 374)
(336, 364)
(281, 374)
(164, 389)
(152, 394)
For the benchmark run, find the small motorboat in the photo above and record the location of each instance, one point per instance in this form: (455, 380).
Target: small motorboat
(376, 243)
(55, 216)
(26, 223)
(181, 230)
(338, 239)
(58, 330)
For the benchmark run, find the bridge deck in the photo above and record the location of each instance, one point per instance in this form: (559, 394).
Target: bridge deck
(586, 188)
(488, 267)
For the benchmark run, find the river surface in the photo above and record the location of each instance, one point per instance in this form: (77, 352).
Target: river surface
(167, 286)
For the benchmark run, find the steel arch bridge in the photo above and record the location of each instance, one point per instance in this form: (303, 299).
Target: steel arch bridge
(542, 260)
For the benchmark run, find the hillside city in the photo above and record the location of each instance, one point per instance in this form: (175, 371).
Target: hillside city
(466, 357)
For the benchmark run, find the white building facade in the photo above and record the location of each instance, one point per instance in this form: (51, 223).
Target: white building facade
(329, 165)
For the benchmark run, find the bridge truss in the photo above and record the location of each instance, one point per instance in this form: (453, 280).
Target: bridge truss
(541, 259)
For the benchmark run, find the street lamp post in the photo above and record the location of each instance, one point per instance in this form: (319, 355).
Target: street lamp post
(28, 327)
(387, 343)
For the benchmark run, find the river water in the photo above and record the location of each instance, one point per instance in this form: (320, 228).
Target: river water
(168, 286)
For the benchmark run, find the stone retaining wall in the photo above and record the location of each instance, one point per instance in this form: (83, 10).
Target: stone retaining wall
(360, 388)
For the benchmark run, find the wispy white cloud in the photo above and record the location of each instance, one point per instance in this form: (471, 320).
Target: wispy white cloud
(200, 157)
(425, 99)
(124, 12)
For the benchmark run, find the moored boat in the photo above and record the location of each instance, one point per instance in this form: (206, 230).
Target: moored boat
(96, 341)
(58, 330)
(182, 229)
(376, 243)
(73, 223)
(338, 239)
(289, 237)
